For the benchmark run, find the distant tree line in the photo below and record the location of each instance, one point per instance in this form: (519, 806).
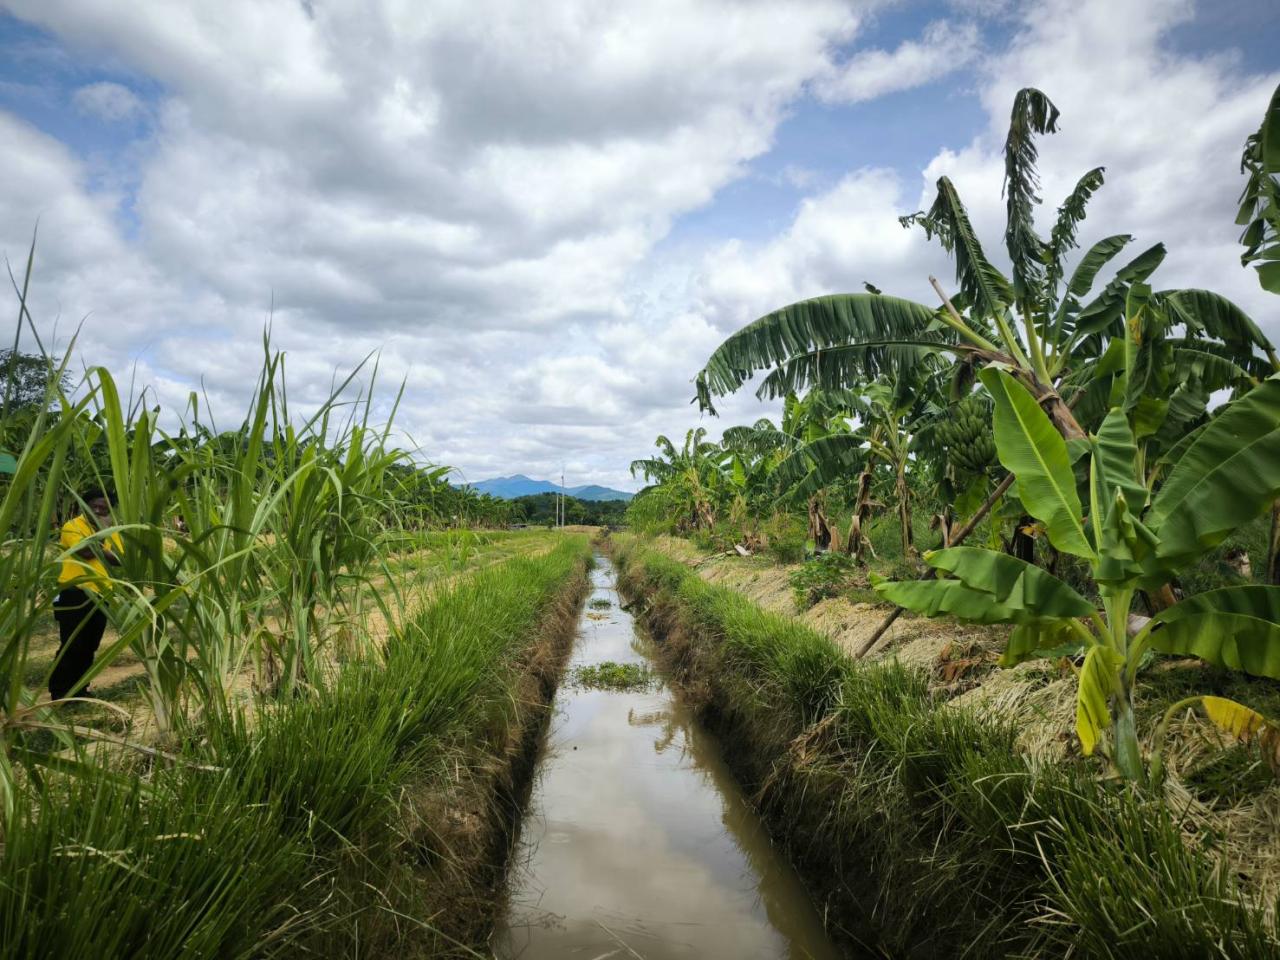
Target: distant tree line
(540, 508)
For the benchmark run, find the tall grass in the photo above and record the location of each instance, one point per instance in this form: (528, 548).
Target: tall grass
(252, 548)
(263, 838)
(927, 830)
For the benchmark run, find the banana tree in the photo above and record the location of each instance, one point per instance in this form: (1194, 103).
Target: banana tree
(751, 453)
(692, 473)
(888, 414)
(892, 416)
(805, 420)
(1260, 216)
(1260, 202)
(1046, 326)
(1223, 476)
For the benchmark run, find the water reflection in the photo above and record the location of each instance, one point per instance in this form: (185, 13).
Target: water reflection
(637, 841)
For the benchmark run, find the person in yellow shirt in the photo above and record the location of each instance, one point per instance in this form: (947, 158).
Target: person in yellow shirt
(81, 620)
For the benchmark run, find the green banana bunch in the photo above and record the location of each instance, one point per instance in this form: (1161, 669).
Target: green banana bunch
(966, 433)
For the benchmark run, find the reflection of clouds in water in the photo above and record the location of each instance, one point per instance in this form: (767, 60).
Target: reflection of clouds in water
(662, 900)
(657, 718)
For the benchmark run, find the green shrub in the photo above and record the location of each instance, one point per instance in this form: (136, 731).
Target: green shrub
(827, 575)
(787, 547)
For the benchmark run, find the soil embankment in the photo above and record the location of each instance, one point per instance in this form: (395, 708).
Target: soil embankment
(462, 830)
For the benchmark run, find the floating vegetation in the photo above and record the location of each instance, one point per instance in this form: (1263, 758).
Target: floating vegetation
(600, 603)
(615, 676)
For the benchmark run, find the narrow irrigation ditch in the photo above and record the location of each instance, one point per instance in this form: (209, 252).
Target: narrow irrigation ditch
(637, 841)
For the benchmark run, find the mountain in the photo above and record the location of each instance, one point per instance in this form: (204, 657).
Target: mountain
(595, 492)
(508, 488)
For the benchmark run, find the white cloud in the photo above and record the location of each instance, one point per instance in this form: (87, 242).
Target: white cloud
(471, 182)
(838, 240)
(481, 189)
(112, 102)
(943, 48)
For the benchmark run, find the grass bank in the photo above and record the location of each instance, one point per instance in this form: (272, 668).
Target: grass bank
(368, 817)
(920, 826)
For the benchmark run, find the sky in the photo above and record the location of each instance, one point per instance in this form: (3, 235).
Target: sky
(543, 218)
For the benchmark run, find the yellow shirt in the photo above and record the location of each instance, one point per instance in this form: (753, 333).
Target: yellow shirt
(73, 568)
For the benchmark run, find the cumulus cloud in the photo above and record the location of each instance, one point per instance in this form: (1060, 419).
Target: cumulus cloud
(471, 185)
(943, 48)
(112, 102)
(481, 191)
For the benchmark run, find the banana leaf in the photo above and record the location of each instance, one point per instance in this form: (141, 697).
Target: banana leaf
(1024, 589)
(1033, 451)
(1234, 627)
(1228, 476)
(1049, 638)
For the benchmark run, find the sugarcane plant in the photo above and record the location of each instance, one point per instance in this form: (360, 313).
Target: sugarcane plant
(1219, 478)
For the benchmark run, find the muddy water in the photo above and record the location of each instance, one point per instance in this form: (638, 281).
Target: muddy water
(638, 842)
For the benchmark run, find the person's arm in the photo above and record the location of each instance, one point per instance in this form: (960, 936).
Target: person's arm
(87, 553)
(111, 559)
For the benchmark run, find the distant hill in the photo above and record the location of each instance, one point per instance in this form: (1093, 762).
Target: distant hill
(594, 492)
(541, 508)
(508, 488)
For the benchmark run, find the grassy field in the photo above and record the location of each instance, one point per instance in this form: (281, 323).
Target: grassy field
(928, 827)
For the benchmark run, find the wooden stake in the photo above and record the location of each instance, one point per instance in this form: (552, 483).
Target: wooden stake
(957, 538)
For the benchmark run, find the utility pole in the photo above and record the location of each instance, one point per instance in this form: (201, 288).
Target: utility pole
(562, 495)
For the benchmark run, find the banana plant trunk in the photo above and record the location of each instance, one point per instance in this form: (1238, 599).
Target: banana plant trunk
(1057, 409)
(857, 541)
(1273, 547)
(706, 516)
(1022, 545)
(903, 493)
(819, 527)
(1128, 753)
(945, 522)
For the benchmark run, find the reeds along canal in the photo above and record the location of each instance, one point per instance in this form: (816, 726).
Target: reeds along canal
(637, 840)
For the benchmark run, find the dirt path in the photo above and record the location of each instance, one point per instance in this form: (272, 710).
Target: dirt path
(846, 622)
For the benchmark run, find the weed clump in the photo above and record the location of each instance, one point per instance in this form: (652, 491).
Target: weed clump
(614, 676)
(827, 575)
(600, 603)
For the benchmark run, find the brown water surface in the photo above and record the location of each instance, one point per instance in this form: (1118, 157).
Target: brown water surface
(638, 842)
